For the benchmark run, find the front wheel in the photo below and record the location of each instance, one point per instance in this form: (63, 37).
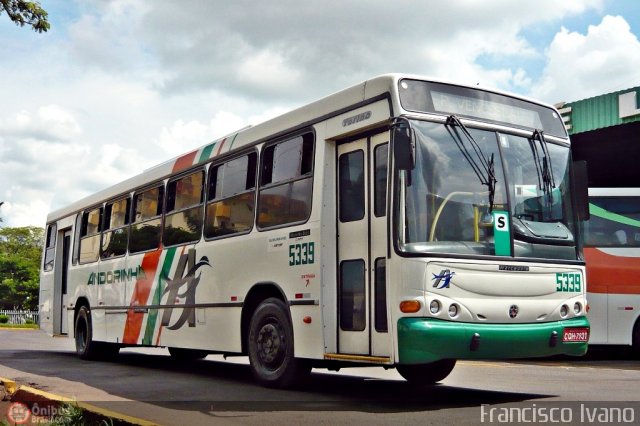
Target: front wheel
(426, 374)
(271, 346)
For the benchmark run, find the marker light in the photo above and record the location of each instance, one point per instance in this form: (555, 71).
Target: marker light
(410, 306)
(453, 310)
(434, 307)
(564, 310)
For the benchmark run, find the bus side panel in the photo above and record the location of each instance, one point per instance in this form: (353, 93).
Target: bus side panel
(328, 251)
(83, 283)
(598, 312)
(47, 307)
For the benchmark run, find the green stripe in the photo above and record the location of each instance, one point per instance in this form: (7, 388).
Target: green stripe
(157, 295)
(233, 140)
(206, 152)
(614, 217)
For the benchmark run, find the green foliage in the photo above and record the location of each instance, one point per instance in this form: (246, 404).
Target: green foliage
(20, 255)
(26, 12)
(4, 319)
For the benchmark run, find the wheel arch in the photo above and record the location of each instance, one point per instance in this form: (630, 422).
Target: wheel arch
(258, 293)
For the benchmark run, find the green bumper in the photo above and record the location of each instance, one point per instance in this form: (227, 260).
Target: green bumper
(424, 340)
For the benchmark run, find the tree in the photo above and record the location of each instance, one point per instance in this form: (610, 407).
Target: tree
(26, 12)
(20, 254)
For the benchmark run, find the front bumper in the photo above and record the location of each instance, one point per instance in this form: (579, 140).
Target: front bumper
(424, 340)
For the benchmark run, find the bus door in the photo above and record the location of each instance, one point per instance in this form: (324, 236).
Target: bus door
(62, 265)
(362, 246)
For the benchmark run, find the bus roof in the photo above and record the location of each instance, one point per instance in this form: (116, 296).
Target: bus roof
(329, 106)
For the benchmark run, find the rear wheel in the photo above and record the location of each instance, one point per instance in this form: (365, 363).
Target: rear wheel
(271, 347)
(426, 374)
(86, 347)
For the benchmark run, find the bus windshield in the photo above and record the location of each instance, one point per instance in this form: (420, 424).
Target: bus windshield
(448, 205)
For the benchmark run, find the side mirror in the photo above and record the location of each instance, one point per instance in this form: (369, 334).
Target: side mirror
(581, 189)
(404, 146)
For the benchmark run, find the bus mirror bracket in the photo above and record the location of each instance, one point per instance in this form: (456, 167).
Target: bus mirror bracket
(404, 146)
(581, 189)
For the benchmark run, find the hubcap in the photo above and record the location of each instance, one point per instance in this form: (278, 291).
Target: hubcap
(271, 345)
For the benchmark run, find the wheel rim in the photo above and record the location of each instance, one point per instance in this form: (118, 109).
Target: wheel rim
(271, 345)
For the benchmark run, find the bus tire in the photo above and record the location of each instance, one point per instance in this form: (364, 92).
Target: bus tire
(183, 354)
(271, 347)
(86, 348)
(426, 374)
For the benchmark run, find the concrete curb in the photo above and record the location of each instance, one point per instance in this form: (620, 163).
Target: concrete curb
(9, 390)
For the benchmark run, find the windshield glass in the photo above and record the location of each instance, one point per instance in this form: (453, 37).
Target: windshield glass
(445, 203)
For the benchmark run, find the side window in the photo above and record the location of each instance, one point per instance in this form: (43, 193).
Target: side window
(286, 182)
(50, 248)
(353, 309)
(116, 231)
(380, 155)
(90, 235)
(231, 198)
(77, 231)
(380, 275)
(146, 226)
(183, 218)
(351, 180)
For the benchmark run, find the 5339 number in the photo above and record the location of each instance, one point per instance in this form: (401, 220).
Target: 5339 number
(569, 282)
(302, 254)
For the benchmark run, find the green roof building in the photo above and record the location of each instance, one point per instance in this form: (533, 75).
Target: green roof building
(605, 131)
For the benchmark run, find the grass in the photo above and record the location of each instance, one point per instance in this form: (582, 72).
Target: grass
(20, 326)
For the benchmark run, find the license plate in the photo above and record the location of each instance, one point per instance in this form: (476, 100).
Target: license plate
(575, 335)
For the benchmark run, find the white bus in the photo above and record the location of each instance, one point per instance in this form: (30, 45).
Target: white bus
(612, 252)
(402, 222)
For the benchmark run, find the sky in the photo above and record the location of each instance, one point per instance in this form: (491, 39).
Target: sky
(118, 86)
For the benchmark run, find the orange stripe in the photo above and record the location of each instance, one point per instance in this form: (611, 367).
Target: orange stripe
(611, 274)
(184, 162)
(221, 145)
(140, 297)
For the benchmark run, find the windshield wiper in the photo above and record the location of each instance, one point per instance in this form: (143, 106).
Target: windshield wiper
(544, 169)
(482, 166)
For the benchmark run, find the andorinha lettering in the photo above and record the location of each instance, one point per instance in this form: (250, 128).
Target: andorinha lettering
(116, 276)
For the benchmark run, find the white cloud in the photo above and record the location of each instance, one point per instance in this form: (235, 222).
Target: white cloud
(124, 84)
(605, 59)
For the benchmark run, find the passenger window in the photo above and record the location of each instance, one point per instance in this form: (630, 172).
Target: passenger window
(50, 248)
(183, 218)
(380, 155)
(116, 233)
(147, 219)
(286, 182)
(90, 235)
(231, 198)
(351, 167)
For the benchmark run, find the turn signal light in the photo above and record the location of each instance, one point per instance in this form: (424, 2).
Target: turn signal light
(410, 306)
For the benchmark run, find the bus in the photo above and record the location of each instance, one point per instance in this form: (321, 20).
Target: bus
(402, 222)
(612, 252)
